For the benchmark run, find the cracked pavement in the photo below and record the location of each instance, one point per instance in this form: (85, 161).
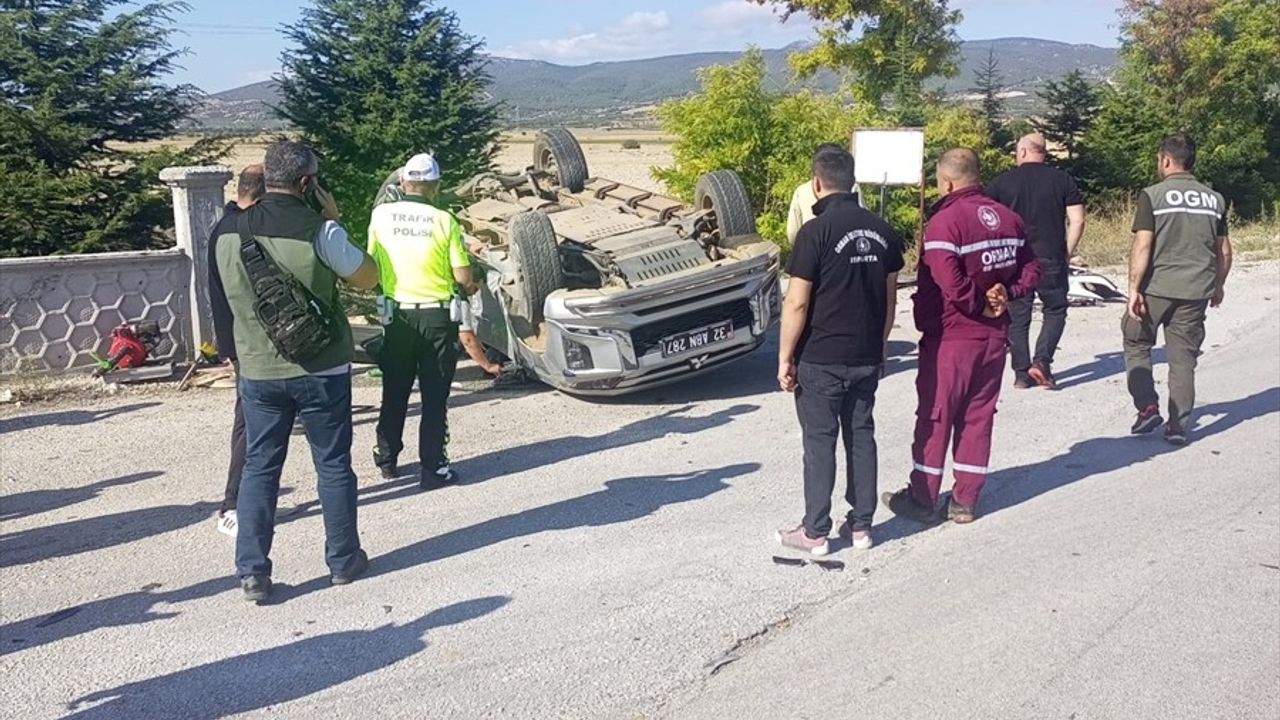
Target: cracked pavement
(613, 559)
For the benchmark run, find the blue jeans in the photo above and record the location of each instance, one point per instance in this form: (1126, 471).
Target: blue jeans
(324, 404)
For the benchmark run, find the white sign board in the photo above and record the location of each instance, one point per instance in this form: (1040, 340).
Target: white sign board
(889, 157)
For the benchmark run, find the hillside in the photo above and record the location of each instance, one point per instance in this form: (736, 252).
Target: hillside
(538, 93)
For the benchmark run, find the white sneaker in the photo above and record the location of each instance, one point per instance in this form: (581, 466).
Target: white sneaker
(227, 523)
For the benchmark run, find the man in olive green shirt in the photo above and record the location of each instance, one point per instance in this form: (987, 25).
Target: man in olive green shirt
(1178, 267)
(316, 251)
(421, 263)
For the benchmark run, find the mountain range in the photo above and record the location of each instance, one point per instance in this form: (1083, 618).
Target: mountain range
(539, 93)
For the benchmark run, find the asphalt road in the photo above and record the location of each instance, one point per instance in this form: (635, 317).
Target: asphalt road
(614, 560)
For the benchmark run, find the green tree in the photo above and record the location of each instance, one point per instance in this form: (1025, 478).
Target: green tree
(370, 82)
(1207, 67)
(82, 86)
(988, 83)
(891, 46)
(1072, 107)
(729, 124)
(768, 135)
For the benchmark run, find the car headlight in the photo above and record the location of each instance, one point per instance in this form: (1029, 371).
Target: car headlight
(577, 356)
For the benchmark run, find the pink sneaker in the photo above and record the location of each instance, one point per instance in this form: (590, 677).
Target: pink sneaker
(861, 539)
(796, 539)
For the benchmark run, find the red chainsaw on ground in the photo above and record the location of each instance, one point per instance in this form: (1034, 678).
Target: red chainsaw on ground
(130, 347)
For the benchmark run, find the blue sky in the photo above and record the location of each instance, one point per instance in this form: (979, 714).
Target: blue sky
(235, 42)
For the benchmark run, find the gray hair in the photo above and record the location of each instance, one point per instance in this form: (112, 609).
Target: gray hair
(286, 163)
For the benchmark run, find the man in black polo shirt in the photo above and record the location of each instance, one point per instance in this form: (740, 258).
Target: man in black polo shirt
(836, 319)
(1052, 211)
(249, 190)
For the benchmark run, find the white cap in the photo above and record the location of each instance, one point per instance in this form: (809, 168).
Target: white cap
(421, 168)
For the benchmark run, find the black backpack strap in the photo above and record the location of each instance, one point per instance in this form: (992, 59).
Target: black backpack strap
(261, 266)
(257, 262)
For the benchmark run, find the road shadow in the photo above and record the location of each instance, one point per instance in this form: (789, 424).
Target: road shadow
(98, 533)
(68, 417)
(900, 356)
(1100, 368)
(1096, 456)
(621, 501)
(275, 676)
(134, 608)
(508, 390)
(510, 461)
(34, 502)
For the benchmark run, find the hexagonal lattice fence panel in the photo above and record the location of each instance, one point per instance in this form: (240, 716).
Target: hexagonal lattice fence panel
(55, 311)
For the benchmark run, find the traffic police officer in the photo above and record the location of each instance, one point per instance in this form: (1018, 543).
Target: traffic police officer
(421, 262)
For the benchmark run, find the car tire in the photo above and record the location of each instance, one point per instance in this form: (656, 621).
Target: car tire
(389, 191)
(537, 256)
(557, 151)
(723, 193)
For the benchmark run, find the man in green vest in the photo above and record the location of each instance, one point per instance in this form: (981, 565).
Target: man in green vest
(423, 266)
(1178, 267)
(316, 251)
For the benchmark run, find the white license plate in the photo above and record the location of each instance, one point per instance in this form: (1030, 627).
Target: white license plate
(697, 339)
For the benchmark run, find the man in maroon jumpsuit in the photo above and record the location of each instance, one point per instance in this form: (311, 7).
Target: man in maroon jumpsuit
(974, 259)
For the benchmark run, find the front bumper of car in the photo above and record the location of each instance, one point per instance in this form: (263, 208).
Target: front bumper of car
(611, 343)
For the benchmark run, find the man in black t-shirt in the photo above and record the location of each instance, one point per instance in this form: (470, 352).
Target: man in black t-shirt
(1052, 210)
(836, 319)
(249, 190)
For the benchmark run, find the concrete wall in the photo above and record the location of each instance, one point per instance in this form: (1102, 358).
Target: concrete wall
(55, 310)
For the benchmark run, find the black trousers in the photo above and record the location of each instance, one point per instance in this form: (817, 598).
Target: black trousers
(831, 401)
(421, 345)
(1053, 298)
(236, 468)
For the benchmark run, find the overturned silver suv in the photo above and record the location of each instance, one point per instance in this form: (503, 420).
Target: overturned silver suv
(600, 288)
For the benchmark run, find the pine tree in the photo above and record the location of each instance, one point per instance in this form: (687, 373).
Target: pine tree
(988, 82)
(79, 78)
(371, 82)
(1073, 105)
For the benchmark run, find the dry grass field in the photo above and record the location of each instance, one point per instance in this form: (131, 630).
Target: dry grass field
(603, 148)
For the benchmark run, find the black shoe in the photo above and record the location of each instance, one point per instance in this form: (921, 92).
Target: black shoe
(1147, 421)
(257, 588)
(1043, 376)
(1023, 380)
(444, 475)
(1175, 435)
(359, 563)
(901, 503)
(386, 466)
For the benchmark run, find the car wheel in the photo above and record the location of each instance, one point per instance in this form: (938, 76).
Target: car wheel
(723, 193)
(557, 152)
(390, 191)
(537, 258)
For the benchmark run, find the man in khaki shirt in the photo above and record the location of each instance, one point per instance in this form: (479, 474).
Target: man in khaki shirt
(803, 199)
(1178, 267)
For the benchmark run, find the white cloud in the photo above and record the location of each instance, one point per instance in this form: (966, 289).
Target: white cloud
(740, 18)
(637, 34)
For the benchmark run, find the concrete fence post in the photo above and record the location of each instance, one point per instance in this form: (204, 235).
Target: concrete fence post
(198, 199)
